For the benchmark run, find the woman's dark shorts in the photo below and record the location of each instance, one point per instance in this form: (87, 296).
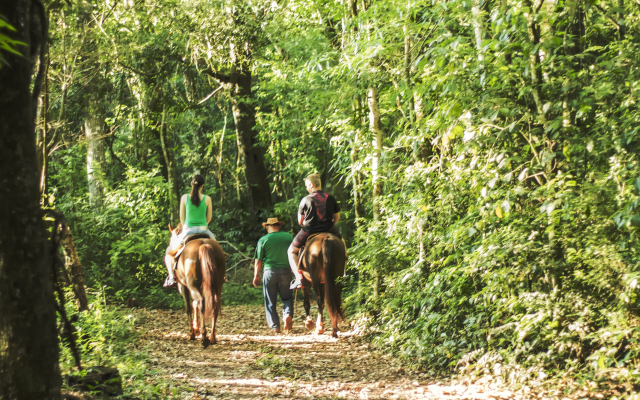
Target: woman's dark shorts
(302, 236)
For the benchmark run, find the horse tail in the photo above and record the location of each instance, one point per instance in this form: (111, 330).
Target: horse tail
(332, 290)
(208, 266)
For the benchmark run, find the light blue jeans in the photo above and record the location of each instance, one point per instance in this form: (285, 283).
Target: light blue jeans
(193, 230)
(276, 282)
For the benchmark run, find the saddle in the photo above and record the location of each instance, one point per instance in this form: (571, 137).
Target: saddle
(310, 239)
(302, 250)
(187, 240)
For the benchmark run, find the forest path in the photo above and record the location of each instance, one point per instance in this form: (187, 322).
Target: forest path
(251, 362)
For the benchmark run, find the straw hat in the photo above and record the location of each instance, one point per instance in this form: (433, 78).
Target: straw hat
(272, 221)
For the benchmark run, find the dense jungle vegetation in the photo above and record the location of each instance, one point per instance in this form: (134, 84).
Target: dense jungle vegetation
(484, 154)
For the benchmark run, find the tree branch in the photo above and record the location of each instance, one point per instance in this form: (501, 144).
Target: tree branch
(236, 249)
(113, 153)
(138, 71)
(219, 77)
(604, 12)
(209, 96)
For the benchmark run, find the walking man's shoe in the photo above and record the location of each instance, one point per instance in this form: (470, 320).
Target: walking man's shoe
(288, 323)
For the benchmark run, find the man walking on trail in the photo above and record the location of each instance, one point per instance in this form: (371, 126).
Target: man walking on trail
(271, 252)
(318, 212)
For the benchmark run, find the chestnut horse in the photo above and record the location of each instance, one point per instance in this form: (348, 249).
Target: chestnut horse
(200, 273)
(323, 262)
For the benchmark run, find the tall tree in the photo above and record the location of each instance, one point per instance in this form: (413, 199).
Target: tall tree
(166, 140)
(28, 340)
(95, 133)
(244, 116)
(232, 66)
(376, 165)
(94, 110)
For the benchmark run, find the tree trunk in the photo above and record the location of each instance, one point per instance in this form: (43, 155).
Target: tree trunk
(94, 114)
(621, 20)
(74, 268)
(94, 127)
(406, 65)
(534, 60)
(478, 30)
(238, 173)
(170, 160)
(406, 68)
(220, 161)
(44, 150)
(376, 166)
(353, 7)
(355, 163)
(29, 366)
(355, 160)
(244, 115)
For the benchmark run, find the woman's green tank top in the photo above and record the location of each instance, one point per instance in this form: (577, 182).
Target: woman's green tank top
(196, 215)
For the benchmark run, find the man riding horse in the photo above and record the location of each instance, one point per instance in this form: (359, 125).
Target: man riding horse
(318, 212)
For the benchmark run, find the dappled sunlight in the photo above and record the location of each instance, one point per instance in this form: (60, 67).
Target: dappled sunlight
(252, 362)
(484, 159)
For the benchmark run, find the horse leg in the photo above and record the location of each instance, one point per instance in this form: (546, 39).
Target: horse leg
(188, 310)
(334, 326)
(308, 323)
(195, 322)
(214, 320)
(320, 300)
(216, 307)
(199, 321)
(205, 339)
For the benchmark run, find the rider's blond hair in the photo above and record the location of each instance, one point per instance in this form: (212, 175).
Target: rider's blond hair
(315, 180)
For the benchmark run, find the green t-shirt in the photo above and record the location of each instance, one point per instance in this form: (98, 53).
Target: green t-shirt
(195, 215)
(272, 250)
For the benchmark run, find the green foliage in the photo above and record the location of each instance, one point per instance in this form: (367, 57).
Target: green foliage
(107, 336)
(241, 293)
(6, 43)
(507, 235)
(122, 247)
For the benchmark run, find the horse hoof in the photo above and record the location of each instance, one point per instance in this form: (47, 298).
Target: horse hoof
(319, 331)
(334, 334)
(309, 324)
(205, 342)
(192, 337)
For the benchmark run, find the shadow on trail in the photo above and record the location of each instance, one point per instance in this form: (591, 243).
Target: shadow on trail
(251, 362)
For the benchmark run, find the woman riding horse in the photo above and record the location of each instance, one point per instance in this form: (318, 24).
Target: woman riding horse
(195, 214)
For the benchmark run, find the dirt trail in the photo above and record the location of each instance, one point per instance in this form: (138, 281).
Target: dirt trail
(250, 362)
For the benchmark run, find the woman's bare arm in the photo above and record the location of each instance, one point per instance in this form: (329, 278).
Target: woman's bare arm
(183, 203)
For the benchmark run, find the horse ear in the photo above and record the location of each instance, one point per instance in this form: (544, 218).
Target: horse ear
(170, 228)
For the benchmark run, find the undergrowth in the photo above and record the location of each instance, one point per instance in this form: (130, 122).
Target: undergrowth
(106, 336)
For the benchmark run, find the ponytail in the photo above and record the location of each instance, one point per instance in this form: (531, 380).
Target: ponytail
(196, 183)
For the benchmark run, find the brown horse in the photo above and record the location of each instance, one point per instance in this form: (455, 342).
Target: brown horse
(323, 262)
(200, 272)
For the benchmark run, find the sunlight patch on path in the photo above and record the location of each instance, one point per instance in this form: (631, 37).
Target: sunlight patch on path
(251, 362)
